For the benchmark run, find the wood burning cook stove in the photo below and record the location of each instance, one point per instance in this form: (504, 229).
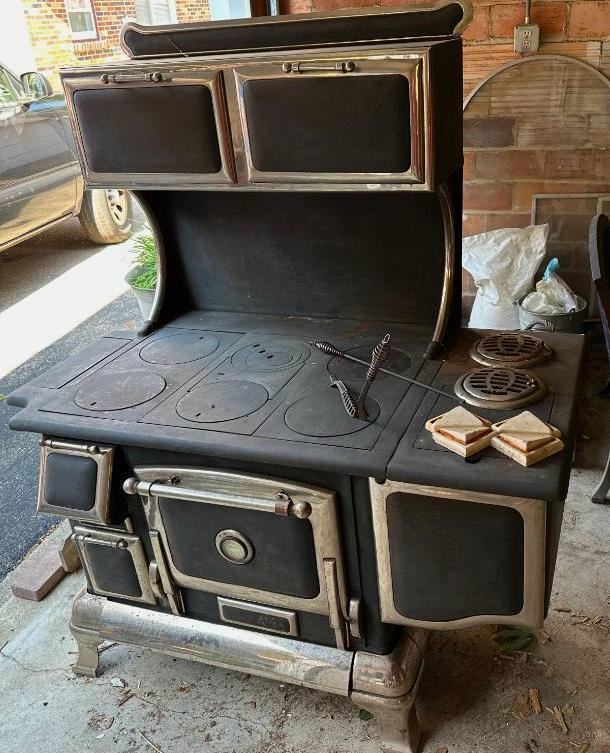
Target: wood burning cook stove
(303, 177)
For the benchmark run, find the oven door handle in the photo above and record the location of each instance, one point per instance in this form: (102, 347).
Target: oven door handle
(282, 504)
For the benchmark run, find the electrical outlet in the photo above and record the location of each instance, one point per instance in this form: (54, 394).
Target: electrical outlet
(527, 38)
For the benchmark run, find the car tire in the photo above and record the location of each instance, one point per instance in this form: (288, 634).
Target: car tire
(106, 215)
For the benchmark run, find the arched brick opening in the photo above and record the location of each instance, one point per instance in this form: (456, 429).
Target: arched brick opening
(537, 149)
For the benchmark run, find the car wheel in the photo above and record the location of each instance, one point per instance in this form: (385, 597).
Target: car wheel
(106, 215)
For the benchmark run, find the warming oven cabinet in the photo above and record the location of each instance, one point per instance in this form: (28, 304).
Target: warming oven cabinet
(230, 499)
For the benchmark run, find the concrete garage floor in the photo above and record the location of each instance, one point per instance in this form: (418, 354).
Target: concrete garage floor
(471, 699)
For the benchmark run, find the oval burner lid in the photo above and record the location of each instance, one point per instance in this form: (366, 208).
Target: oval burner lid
(119, 390)
(510, 349)
(181, 348)
(270, 354)
(323, 415)
(500, 389)
(221, 401)
(354, 373)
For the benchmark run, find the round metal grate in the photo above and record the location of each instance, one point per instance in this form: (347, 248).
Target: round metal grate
(500, 389)
(510, 349)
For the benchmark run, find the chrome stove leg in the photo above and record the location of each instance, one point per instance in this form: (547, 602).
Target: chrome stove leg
(84, 626)
(386, 686)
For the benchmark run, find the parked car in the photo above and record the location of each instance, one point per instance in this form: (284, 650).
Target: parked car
(40, 179)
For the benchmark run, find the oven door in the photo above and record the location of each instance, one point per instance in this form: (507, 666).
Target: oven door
(333, 120)
(449, 559)
(247, 537)
(158, 126)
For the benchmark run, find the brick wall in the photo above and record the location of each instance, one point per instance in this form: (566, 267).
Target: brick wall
(52, 39)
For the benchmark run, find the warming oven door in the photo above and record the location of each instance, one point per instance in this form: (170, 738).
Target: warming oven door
(450, 559)
(252, 540)
(155, 126)
(333, 119)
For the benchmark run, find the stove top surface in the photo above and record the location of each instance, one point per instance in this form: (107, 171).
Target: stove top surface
(253, 388)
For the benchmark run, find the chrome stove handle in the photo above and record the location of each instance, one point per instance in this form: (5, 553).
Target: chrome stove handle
(281, 504)
(87, 538)
(156, 77)
(345, 66)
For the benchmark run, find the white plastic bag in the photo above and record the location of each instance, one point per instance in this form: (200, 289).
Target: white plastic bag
(503, 264)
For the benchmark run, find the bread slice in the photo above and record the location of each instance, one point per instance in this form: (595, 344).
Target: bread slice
(459, 425)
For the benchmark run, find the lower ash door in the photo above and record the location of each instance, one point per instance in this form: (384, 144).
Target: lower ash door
(248, 538)
(115, 563)
(448, 559)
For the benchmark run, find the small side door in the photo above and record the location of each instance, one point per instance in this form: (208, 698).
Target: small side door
(37, 164)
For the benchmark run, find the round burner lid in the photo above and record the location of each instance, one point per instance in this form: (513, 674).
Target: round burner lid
(221, 401)
(510, 349)
(181, 348)
(323, 415)
(119, 390)
(270, 354)
(500, 389)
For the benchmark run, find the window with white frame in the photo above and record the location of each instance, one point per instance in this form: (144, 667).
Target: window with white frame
(156, 12)
(81, 18)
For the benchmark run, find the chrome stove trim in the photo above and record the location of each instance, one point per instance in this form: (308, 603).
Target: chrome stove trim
(169, 75)
(85, 536)
(412, 65)
(102, 456)
(444, 309)
(95, 619)
(251, 492)
(247, 606)
(533, 513)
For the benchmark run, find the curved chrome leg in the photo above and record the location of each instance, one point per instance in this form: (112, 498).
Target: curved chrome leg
(387, 687)
(84, 626)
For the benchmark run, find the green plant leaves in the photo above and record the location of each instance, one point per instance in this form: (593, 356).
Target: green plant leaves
(513, 639)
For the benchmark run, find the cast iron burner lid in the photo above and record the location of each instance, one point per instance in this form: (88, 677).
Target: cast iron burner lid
(323, 415)
(271, 354)
(353, 373)
(181, 348)
(119, 390)
(510, 350)
(500, 389)
(221, 401)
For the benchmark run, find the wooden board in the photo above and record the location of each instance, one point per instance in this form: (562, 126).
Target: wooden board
(525, 432)
(459, 424)
(527, 458)
(465, 450)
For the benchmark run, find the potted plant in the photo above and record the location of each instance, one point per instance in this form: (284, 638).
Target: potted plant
(142, 277)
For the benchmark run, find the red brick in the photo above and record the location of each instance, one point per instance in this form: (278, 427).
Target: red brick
(589, 20)
(506, 219)
(488, 132)
(588, 164)
(550, 16)
(473, 224)
(487, 195)
(523, 192)
(509, 164)
(468, 165)
(479, 27)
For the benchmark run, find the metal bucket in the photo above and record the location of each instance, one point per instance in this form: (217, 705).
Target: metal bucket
(570, 322)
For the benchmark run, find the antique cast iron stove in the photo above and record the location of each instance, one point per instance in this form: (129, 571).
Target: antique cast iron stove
(241, 494)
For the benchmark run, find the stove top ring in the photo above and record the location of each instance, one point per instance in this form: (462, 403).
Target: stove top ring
(500, 388)
(182, 347)
(271, 354)
(119, 390)
(221, 401)
(510, 350)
